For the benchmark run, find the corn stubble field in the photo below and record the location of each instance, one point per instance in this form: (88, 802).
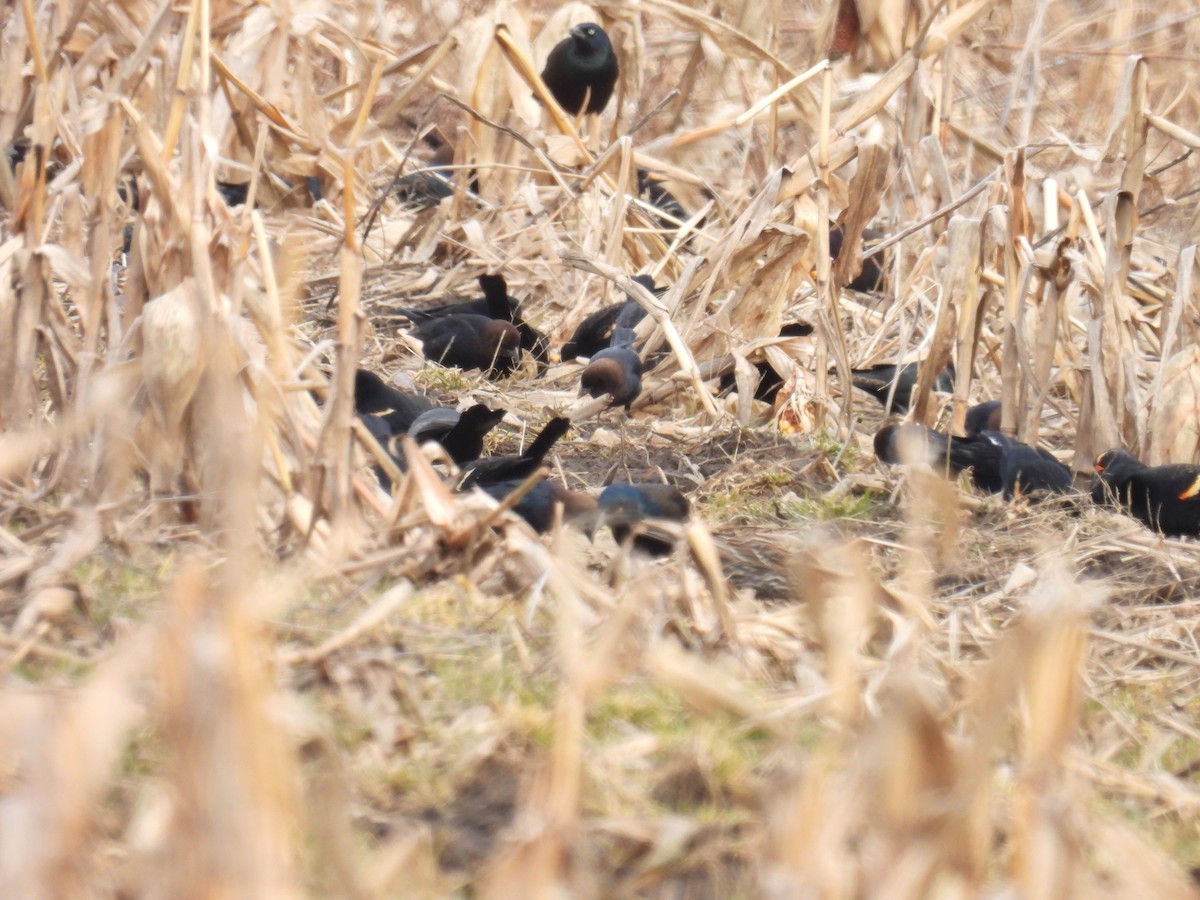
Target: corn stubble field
(233, 667)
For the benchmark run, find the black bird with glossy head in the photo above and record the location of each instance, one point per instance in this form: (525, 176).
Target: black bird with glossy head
(630, 509)
(582, 69)
(1165, 499)
(537, 506)
(459, 434)
(374, 397)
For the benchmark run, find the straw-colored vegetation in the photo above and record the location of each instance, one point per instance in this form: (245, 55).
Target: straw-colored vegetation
(234, 668)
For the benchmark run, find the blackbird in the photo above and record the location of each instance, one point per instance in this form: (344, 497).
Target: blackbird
(595, 332)
(769, 381)
(234, 193)
(983, 417)
(871, 277)
(999, 464)
(472, 342)
(877, 381)
(495, 469)
(374, 397)
(615, 371)
(423, 189)
(496, 303)
(460, 434)
(1165, 499)
(537, 506)
(582, 68)
(630, 509)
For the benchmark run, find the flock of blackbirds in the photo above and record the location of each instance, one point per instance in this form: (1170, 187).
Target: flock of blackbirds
(490, 334)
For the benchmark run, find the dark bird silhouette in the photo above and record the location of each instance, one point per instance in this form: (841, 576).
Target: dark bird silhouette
(460, 434)
(1165, 499)
(234, 193)
(423, 188)
(374, 397)
(983, 417)
(595, 332)
(769, 381)
(877, 381)
(582, 68)
(496, 469)
(537, 506)
(871, 277)
(496, 303)
(998, 464)
(631, 509)
(472, 342)
(616, 371)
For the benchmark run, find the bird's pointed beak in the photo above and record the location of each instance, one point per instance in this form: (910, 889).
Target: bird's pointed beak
(577, 31)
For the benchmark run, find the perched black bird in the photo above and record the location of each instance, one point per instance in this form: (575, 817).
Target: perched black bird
(472, 342)
(460, 434)
(516, 468)
(537, 506)
(630, 509)
(583, 67)
(877, 381)
(374, 397)
(999, 464)
(1165, 499)
(616, 371)
(871, 276)
(595, 332)
(983, 417)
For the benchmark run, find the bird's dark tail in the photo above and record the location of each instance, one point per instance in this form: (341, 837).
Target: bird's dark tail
(555, 429)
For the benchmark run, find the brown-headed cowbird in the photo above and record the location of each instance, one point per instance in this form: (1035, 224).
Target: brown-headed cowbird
(983, 417)
(582, 68)
(472, 342)
(615, 371)
(1165, 499)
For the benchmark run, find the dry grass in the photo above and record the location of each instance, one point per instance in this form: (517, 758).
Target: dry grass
(233, 667)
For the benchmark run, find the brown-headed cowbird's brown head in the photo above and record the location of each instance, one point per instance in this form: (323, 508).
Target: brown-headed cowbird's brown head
(582, 68)
(472, 342)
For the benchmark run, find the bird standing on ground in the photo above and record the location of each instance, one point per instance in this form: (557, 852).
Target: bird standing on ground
(998, 464)
(459, 434)
(615, 371)
(1165, 499)
(537, 506)
(471, 342)
(595, 332)
(582, 69)
(630, 509)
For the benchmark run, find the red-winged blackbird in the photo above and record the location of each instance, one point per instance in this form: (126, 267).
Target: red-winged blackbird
(877, 381)
(582, 67)
(631, 509)
(537, 506)
(398, 410)
(460, 434)
(1165, 499)
(615, 371)
(871, 277)
(983, 417)
(472, 342)
(595, 332)
(516, 468)
(999, 464)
